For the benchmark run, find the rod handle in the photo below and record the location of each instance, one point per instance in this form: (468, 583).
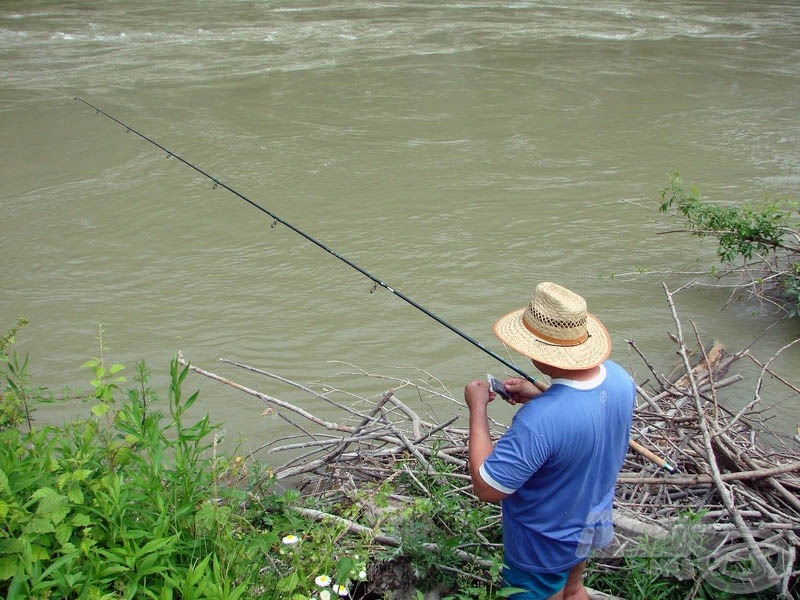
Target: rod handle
(652, 456)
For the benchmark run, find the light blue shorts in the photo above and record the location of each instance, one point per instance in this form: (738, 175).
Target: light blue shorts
(537, 586)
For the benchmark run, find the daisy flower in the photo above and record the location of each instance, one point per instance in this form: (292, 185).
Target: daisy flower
(324, 595)
(290, 539)
(341, 590)
(322, 580)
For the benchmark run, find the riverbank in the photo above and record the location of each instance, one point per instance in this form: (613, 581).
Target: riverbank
(367, 495)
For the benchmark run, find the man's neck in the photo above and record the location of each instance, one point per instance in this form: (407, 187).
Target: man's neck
(575, 375)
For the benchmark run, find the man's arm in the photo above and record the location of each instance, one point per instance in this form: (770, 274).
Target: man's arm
(477, 397)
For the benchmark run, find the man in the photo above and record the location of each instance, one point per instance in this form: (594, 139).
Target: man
(555, 468)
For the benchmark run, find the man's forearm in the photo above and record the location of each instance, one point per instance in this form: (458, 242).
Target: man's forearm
(480, 446)
(480, 440)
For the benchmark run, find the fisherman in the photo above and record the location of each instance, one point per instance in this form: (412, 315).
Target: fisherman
(555, 468)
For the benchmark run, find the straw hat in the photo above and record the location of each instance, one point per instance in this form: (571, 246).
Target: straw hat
(556, 329)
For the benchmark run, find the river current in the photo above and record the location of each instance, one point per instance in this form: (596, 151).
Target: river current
(459, 151)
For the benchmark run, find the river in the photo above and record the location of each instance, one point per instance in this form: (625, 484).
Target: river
(459, 151)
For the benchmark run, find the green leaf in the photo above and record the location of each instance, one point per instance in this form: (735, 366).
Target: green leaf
(191, 400)
(75, 495)
(39, 553)
(39, 525)
(343, 568)
(4, 487)
(115, 368)
(204, 518)
(81, 474)
(289, 583)
(81, 520)
(158, 545)
(44, 492)
(8, 567)
(12, 546)
(3, 509)
(63, 533)
(507, 592)
(98, 410)
(52, 506)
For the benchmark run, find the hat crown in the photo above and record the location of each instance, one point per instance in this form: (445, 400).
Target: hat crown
(556, 315)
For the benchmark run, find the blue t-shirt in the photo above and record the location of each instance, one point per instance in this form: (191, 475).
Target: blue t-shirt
(559, 462)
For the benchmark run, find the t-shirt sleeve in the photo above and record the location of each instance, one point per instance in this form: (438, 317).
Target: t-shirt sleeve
(518, 454)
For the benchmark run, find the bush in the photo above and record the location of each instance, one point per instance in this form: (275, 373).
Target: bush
(133, 503)
(764, 236)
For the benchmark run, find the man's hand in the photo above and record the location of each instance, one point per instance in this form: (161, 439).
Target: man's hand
(520, 390)
(477, 394)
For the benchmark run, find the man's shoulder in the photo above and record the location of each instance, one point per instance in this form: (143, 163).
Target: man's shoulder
(616, 371)
(549, 402)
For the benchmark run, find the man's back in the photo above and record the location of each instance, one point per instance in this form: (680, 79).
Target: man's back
(559, 461)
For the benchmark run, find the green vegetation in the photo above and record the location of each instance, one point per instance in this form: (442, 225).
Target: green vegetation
(760, 241)
(132, 503)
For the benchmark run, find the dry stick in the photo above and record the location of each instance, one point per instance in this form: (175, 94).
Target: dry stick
(285, 472)
(790, 498)
(775, 375)
(647, 363)
(407, 443)
(705, 479)
(744, 530)
(435, 430)
(289, 472)
(403, 381)
(710, 378)
(757, 398)
(331, 442)
(299, 386)
(267, 399)
(365, 420)
(416, 422)
(386, 540)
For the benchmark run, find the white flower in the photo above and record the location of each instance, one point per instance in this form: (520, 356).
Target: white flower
(362, 575)
(341, 590)
(322, 580)
(290, 539)
(324, 595)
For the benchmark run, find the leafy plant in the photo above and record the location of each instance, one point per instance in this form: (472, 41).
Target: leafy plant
(135, 502)
(765, 236)
(122, 511)
(14, 396)
(742, 231)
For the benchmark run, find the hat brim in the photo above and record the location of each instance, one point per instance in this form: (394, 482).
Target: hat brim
(597, 347)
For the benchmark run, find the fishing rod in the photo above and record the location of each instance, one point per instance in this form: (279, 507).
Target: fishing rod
(377, 282)
(276, 219)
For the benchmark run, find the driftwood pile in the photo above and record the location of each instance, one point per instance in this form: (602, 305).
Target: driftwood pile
(741, 481)
(730, 514)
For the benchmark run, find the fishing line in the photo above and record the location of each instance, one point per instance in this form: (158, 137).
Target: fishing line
(276, 219)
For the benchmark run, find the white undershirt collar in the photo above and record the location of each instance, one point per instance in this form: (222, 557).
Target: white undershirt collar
(583, 385)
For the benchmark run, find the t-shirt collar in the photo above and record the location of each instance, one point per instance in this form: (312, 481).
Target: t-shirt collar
(583, 385)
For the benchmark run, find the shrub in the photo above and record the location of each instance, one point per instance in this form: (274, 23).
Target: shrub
(764, 236)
